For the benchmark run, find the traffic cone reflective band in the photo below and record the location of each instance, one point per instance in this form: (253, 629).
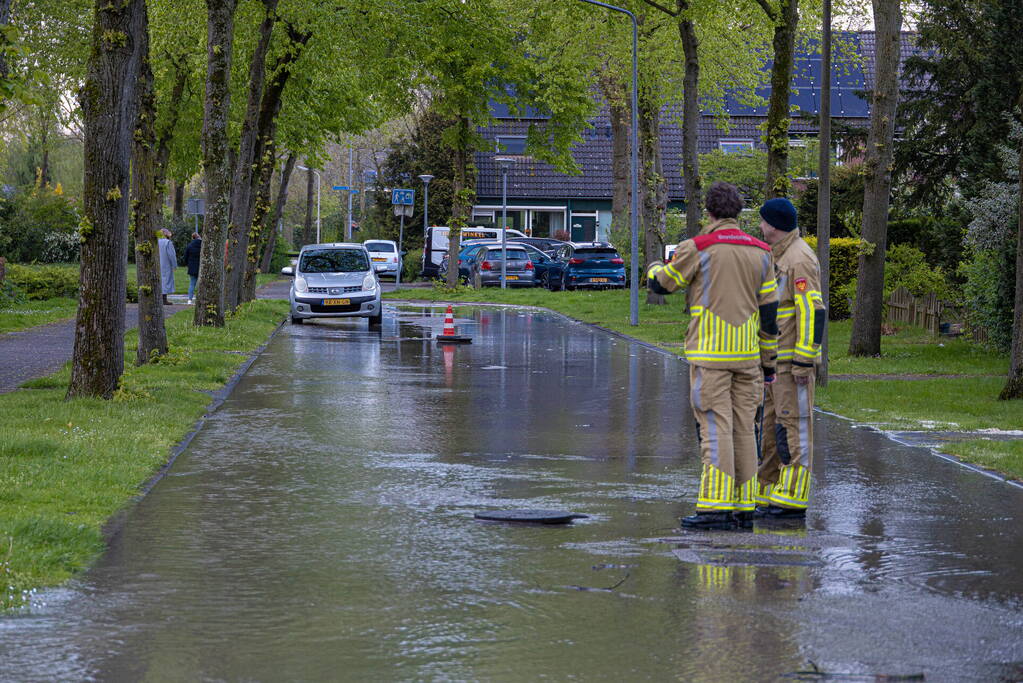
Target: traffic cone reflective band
(450, 335)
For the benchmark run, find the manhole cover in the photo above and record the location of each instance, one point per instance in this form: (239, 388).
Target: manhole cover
(530, 516)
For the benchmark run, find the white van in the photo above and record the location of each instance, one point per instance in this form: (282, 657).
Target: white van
(437, 244)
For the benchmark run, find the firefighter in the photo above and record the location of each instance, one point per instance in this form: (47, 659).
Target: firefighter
(730, 346)
(787, 448)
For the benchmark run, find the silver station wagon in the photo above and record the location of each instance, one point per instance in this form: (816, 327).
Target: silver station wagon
(334, 281)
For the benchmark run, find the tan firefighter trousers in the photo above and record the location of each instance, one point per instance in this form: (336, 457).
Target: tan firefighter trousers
(784, 473)
(724, 403)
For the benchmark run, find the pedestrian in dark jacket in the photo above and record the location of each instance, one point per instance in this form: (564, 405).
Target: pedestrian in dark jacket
(192, 252)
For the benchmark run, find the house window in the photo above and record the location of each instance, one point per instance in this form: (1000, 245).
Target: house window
(735, 146)
(511, 144)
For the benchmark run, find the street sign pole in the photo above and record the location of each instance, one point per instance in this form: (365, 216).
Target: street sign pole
(401, 238)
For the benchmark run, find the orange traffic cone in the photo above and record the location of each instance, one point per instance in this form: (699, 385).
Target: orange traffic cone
(450, 335)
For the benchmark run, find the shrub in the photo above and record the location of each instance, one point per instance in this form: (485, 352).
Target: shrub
(844, 261)
(906, 266)
(988, 293)
(27, 221)
(52, 281)
(412, 265)
(282, 255)
(10, 293)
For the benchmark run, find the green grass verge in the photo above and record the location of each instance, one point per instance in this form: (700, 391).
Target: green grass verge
(14, 317)
(965, 402)
(67, 466)
(1002, 456)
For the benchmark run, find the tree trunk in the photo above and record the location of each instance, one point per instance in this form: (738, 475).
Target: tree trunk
(786, 20)
(462, 199)
(109, 105)
(652, 184)
(146, 210)
(209, 295)
(618, 110)
(246, 169)
(307, 227)
(278, 213)
(178, 203)
(690, 121)
(149, 176)
(264, 160)
(1014, 384)
(865, 339)
(824, 187)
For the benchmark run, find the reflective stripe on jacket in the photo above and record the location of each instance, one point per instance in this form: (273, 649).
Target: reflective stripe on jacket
(730, 290)
(801, 314)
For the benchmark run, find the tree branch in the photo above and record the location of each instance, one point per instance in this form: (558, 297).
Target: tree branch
(768, 10)
(661, 7)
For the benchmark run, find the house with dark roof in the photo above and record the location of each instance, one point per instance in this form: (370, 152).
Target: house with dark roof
(542, 201)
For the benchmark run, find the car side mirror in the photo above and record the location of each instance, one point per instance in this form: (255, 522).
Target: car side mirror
(404, 252)
(288, 270)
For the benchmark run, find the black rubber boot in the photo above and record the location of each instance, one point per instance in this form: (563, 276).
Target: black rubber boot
(743, 520)
(776, 512)
(709, 521)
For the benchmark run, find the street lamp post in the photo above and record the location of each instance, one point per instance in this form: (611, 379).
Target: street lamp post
(426, 178)
(634, 268)
(317, 173)
(504, 163)
(351, 191)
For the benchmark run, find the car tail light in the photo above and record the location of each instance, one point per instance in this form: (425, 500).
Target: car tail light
(485, 265)
(460, 261)
(617, 261)
(575, 261)
(529, 265)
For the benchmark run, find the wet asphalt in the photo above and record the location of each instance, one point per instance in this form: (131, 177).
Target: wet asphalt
(320, 527)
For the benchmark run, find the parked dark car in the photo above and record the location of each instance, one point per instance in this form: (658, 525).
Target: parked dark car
(548, 245)
(464, 256)
(586, 264)
(485, 267)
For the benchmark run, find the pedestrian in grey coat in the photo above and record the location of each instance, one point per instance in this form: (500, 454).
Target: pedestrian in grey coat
(168, 262)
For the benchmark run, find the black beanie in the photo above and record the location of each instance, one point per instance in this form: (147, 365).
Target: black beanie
(779, 213)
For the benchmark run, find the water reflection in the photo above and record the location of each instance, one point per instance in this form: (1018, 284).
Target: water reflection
(320, 527)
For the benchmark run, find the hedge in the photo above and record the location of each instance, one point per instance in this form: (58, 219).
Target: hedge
(51, 281)
(845, 259)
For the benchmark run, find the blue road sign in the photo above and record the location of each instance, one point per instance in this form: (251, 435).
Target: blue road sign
(405, 197)
(339, 187)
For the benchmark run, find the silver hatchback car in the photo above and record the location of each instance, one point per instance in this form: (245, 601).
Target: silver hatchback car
(334, 281)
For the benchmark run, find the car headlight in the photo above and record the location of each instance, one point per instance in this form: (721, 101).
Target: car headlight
(369, 283)
(301, 285)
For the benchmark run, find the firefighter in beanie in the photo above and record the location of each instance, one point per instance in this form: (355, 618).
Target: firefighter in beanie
(787, 448)
(731, 346)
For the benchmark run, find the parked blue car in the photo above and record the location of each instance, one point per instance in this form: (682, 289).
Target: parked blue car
(586, 264)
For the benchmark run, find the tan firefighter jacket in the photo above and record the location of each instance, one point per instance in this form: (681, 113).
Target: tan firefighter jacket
(801, 314)
(730, 290)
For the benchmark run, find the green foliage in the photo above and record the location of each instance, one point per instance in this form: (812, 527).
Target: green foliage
(906, 266)
(38, 226)
(45, 282)
(54, 281)
(940, 238)
(411, 265)
(988, 293)
(281, 256)
(844, 262)
(11, 293)
(846, 202)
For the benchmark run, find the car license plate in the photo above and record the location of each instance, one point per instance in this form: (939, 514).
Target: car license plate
(336, 302)
(380, 259)
(598, 279)
(512, 277)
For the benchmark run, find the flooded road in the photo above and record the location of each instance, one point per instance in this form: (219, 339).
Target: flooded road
(320, 527)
